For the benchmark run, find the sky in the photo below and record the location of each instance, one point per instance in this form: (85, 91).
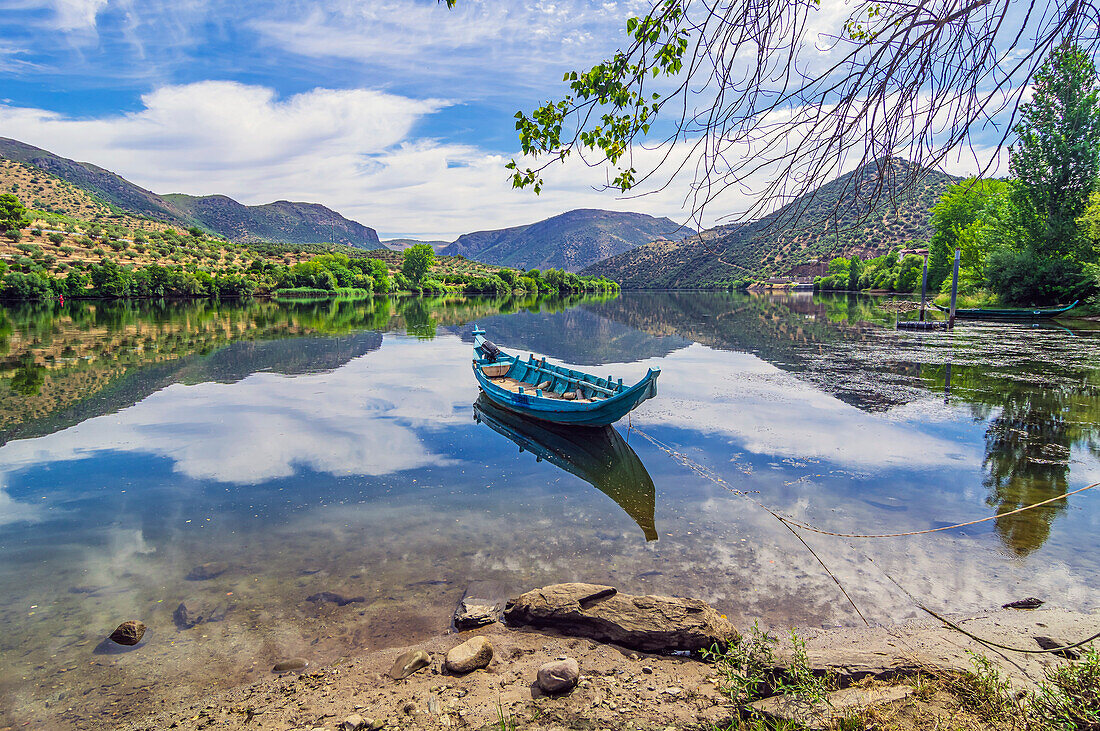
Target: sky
(396, 113)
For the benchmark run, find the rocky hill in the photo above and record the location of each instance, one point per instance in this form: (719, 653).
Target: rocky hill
(570, 241)
(837, 219)
(282, 221)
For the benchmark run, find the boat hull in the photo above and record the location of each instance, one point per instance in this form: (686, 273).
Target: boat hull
(1008, 314)
(600, 413)
(607, 402)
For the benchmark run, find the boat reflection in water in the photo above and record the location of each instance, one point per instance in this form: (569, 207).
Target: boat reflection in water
(597, 455)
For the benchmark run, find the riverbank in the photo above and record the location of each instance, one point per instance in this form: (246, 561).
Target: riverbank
(620, 688)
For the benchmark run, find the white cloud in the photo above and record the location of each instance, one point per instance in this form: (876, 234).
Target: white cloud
(267, 426)
(770, 412)
(353, 150)
(70, 15)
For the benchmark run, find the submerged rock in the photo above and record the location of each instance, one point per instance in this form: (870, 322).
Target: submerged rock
(128, 633)
(648, 623)
(480, 605)
(188, 617)
(409, 663)
(474, 653)
(559, 676)
(338, 599)
(207, 571)
(292, 663)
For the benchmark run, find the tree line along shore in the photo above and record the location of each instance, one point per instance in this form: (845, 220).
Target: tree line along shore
(47, 256)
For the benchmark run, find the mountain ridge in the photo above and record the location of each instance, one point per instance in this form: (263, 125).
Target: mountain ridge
(282, 221)
(571, 240)
(839, 218)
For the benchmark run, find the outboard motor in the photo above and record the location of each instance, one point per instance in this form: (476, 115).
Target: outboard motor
(490, 350)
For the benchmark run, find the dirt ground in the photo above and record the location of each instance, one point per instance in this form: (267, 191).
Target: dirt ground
(619, 688)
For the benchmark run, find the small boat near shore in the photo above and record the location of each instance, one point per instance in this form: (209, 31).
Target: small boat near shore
(1008, 313)
(541, 390)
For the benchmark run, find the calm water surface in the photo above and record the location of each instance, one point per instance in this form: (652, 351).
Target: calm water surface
(333, 447)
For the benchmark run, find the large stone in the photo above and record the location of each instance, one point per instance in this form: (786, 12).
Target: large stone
(409, 663)
(474, 653)
(820, 714)
(129, 632)
(648, 623)
(480, 605)
(559, 676)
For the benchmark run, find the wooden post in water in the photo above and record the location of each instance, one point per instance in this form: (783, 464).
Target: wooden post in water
(923, 287)
(954, 291)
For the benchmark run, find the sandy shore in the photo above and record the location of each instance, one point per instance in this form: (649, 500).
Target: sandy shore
(619, 688)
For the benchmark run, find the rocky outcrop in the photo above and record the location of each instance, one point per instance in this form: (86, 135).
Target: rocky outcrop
(647, 623)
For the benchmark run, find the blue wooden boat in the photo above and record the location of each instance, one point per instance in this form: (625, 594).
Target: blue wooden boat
(541, 390)
(597, 455)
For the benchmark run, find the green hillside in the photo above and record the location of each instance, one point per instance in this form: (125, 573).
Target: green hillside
(834, 220)
(281, 221)
(569, 241)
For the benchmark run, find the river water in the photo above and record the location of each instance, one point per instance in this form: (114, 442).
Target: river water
(240, 458)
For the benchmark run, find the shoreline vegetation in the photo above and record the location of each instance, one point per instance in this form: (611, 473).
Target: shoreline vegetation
(50, 255)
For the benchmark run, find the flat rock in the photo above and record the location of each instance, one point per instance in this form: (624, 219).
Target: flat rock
(474, 653)
(559, 676)
(481, 605)
(838, 704)
(291, 663)
(338, 599)
(648, 623)
(207, 571)
(409, 663)
(128, 633)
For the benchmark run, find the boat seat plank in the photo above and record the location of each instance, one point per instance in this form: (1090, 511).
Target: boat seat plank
(511, 384)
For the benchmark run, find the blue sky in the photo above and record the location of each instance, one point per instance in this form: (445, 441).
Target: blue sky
(397, 113)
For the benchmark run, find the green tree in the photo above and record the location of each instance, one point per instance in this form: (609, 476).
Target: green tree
(13, 214)
(975, 216)
(855, 266)
(1056, 161)
(418, 261)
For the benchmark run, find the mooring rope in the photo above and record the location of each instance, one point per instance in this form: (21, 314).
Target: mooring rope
(791, 525)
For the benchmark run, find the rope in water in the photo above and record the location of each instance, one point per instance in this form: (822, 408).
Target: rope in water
(792, 524)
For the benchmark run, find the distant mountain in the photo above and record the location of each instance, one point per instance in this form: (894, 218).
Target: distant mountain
(569, 241)
(402, 244)
(799, 238)
(281, 221)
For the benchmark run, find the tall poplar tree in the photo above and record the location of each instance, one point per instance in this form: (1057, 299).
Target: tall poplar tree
(1056, 161)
